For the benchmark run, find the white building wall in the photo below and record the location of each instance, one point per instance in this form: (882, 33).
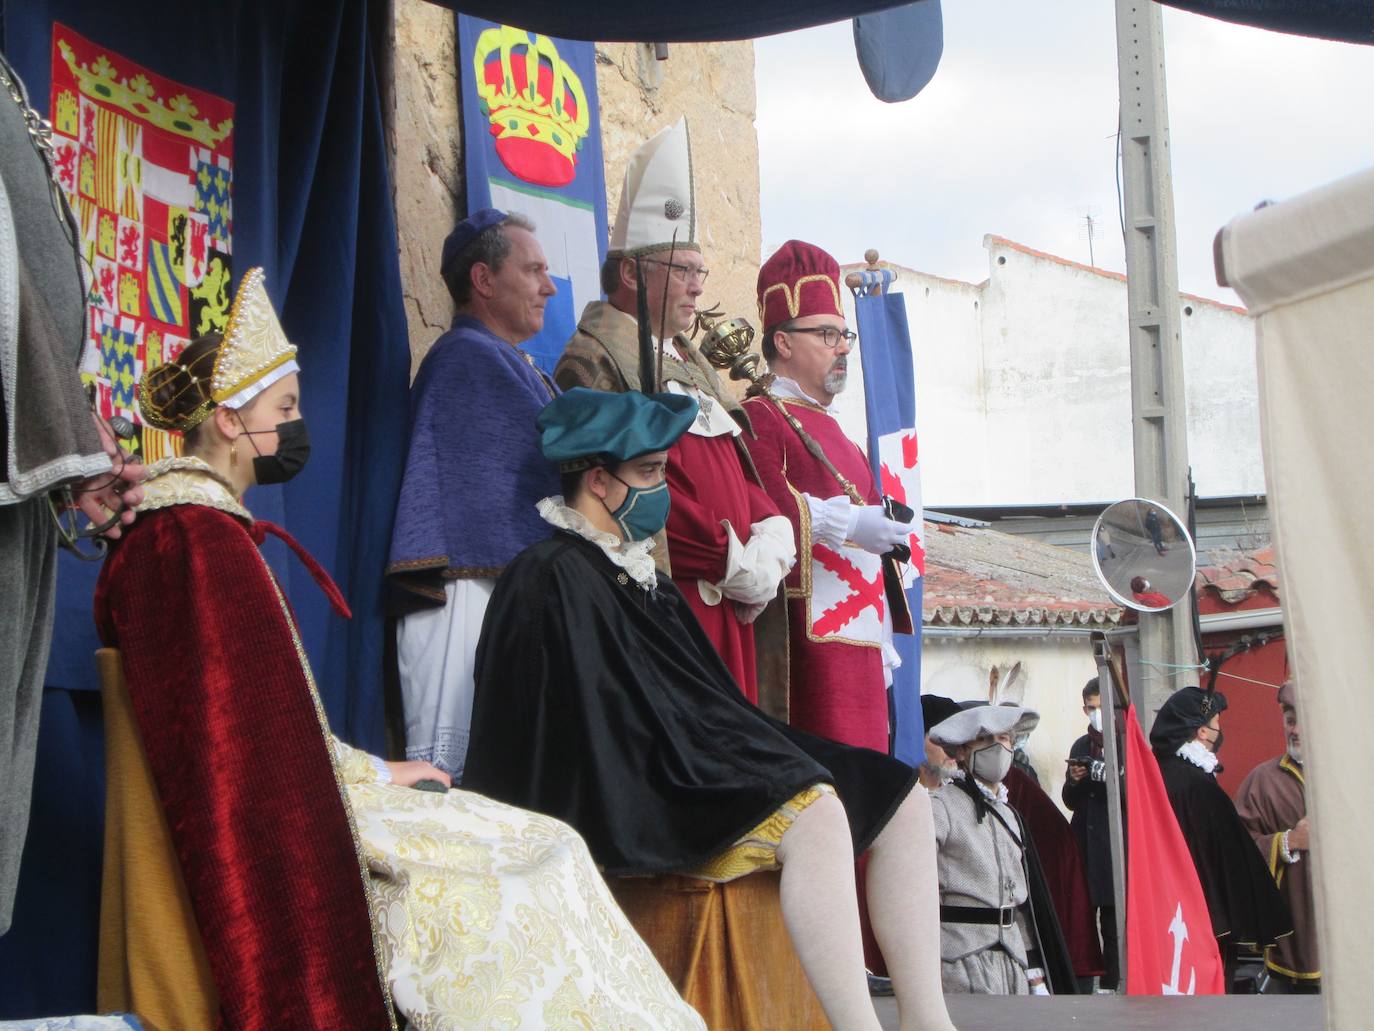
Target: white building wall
(1058, 384)
(1223, 400)
(1054, 671)
(1023, 386)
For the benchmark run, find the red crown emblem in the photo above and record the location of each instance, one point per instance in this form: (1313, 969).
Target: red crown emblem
(535, 102)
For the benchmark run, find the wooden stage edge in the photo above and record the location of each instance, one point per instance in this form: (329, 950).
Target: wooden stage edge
(1125, 1013)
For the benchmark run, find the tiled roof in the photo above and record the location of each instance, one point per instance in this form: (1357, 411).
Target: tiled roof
(1240, 577)
(982, 578)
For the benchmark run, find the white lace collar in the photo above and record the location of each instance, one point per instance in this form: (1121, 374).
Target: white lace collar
(1000, 795)
(189, 481)
(632, 556)
(784, 387)
(1196, 753)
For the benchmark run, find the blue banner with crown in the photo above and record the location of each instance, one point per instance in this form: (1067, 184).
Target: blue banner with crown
(532, 144)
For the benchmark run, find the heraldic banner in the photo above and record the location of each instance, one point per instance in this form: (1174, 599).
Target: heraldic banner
(1169, 945)
(147, 167)
(890, 405)
(532, 144)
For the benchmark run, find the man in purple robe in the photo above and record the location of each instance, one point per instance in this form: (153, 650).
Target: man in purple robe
(472, 477)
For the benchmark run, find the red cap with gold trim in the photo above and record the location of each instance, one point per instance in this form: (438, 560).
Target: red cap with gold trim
(800, 279)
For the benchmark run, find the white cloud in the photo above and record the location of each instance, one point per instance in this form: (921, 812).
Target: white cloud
(1013, 136)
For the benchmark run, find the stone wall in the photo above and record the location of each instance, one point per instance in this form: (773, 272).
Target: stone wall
(712, 85)
(427, 161)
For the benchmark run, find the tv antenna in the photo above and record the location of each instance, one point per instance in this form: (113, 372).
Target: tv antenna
(1090, 227)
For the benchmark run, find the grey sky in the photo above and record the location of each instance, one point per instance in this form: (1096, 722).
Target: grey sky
(1016, 135)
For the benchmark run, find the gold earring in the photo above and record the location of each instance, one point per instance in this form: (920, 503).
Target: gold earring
(233, 455)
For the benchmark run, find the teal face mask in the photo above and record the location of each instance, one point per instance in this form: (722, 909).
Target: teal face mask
(643, 512)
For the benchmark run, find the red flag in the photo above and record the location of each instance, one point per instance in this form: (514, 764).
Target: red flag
(1169, 945)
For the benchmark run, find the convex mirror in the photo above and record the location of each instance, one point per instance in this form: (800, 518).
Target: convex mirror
(1143, 555)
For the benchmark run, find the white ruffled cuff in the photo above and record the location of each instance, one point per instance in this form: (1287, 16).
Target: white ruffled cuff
(830, 520)
(754, 570)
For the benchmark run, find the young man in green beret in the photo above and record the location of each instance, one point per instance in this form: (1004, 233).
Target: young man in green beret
(601, 701)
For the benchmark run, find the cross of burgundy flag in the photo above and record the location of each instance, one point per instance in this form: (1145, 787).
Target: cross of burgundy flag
(890, 405)
(1169, 945)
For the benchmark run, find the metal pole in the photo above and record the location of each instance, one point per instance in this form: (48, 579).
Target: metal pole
(1106, 686)
(1158, 404)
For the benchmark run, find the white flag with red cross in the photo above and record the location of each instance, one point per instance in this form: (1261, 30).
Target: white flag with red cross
(847, 601)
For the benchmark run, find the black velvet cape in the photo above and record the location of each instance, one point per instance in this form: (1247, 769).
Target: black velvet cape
(606, 706)
(1245, 905)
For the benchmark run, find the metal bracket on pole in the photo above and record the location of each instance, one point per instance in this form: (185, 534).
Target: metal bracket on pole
(1158, 404)
(1106, 686)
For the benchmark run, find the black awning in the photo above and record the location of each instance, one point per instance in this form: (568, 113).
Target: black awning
(707, 20)
(699, 21)
(1351, 21)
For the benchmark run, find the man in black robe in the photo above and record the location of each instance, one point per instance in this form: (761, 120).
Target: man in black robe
(1085, 795)
(1245, 907)
(600, 701)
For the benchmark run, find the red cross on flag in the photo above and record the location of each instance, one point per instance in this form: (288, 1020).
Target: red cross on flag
(846, 602)
(898, 466)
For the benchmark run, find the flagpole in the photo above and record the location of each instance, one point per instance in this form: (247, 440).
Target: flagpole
(855, 280)
(1106, 687)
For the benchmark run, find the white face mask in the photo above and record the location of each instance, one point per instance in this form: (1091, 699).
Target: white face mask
(991, 763)
(1095, 720)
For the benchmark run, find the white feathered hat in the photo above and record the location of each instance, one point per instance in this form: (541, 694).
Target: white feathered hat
(983, 720)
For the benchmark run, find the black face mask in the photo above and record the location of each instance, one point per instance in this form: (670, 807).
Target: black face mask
(1216, 745)
(293, 450)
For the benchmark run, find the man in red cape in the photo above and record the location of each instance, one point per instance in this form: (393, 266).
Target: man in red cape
(838, 601)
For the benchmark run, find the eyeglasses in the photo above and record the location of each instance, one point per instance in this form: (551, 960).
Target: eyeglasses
(680, 272)
(830, 336)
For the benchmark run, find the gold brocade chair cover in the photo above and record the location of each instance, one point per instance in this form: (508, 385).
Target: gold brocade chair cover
(725, 948)
(152, 962)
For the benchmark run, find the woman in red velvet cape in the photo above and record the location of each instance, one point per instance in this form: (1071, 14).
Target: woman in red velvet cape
(235, 736)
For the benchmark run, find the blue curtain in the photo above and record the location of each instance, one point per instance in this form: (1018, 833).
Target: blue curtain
(313, 207)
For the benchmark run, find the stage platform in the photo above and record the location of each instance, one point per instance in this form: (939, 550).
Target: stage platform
(1126, 1013)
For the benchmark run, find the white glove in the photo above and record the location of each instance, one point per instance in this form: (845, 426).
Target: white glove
(872, 530)
(754, 570)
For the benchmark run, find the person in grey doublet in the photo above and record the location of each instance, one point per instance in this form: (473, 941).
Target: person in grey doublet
(987, 939)
(50, 445)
